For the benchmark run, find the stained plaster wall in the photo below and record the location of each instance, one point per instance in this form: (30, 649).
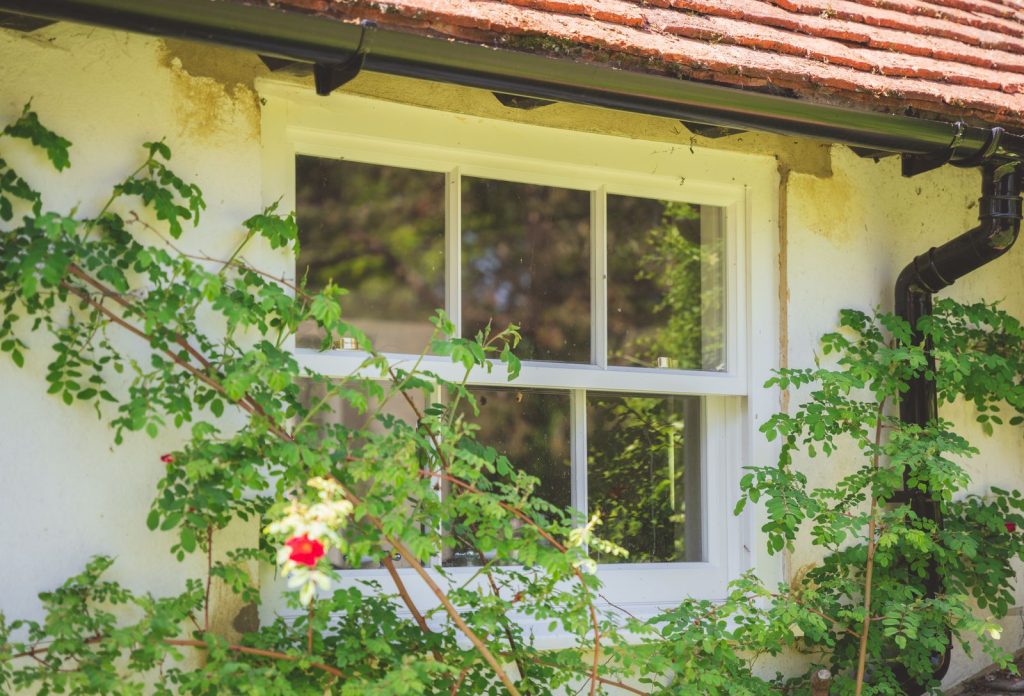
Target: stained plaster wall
(848, 226)
(847, 238)
(66, 493)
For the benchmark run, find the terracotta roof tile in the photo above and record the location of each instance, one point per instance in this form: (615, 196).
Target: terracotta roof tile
(891, 19)
(999, 23)
(947, 58)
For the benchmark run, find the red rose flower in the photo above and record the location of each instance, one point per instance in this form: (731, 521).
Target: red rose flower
(167, 458)
(305, 551)
(1011, 527)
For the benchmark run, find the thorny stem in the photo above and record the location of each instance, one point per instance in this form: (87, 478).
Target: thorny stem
(503, 620)
(457, 684)
(309, 627)
(189, 643)
(110, 201)
(403, 592)
(551, 540)
(209, 576)
(273, 654)
(442, 597)
(869, 568)
(835, 622)
(84, 296)
(37, 649)
(230, 262)
(616, 684)
(238, 250)
(246, 403)
(518, 513)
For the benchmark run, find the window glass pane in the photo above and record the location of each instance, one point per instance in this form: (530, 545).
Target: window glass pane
(526, 260)
(533, 429)
(338, 411)
(643, 475)
(665, 284)
(378, 232)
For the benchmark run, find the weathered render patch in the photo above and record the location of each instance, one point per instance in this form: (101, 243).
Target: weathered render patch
(214, 87)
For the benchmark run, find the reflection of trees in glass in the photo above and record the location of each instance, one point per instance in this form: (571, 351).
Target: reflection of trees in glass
(664, 300)
(526, 260)
(664, 292)
(642, 475)
(378, 232)
(531, 427)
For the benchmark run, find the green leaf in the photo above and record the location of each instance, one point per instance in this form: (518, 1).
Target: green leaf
(29, 128)
(188, 539)
(276, 229)
(159, 148)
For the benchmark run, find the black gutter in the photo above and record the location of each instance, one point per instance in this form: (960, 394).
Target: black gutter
(322, 40)
(938, 268)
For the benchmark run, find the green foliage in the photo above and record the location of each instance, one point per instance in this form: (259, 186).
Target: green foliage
(29, 128)
(99, 638)
(261, 446)
(264, 439)
(860, 519)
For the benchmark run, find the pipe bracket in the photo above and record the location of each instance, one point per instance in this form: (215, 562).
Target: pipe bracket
(328, 77)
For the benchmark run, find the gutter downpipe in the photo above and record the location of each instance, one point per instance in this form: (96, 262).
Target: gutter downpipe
(339, 49)
(938, 268)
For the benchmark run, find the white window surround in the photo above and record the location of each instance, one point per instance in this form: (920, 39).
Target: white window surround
(296, 121)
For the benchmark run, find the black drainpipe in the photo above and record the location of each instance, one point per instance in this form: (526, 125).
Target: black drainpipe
(938, 268)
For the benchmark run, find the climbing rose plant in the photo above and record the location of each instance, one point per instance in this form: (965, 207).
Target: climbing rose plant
(256, 447)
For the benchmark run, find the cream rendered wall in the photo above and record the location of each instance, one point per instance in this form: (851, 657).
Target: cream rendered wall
(848, 237)
(849, 226)
(66, 493)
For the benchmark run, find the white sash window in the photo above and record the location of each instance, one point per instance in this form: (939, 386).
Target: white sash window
(641, 275)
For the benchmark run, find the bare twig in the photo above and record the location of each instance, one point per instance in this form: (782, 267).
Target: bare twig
(334, 671)
(551, 540)
(869, 567)
(209, 576)
(443, 598)
(309, 626)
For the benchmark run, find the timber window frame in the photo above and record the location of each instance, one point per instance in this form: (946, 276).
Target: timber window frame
(296, 122)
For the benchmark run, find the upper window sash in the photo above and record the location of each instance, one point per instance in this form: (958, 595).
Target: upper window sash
(350, 127)
(599, 183)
